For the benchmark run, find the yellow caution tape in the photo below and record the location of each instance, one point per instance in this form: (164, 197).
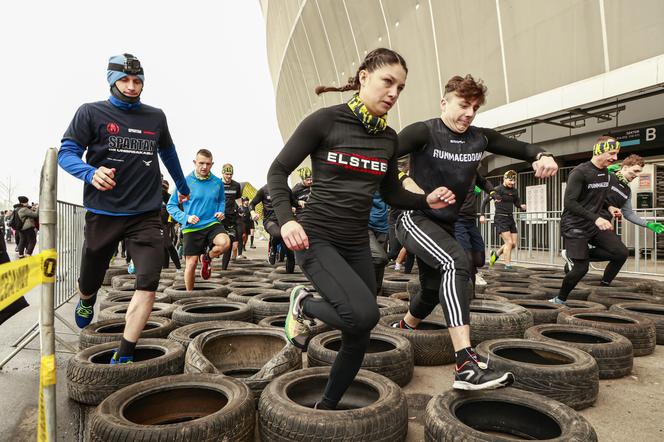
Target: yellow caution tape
(19, 277)
(47, 377)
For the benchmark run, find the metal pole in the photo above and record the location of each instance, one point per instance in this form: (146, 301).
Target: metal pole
(47, 240)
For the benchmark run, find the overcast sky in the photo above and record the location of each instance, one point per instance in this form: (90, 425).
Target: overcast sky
(205, 65)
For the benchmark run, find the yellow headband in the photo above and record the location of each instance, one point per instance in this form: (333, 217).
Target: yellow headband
(510, 175)
(605, 146)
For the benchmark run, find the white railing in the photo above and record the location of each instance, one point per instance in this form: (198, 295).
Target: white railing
(540, 241)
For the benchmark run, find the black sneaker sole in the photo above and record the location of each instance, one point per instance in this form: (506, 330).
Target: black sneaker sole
(504, 381)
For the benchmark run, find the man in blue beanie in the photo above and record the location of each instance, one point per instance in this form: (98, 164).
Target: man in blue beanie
(122, 191)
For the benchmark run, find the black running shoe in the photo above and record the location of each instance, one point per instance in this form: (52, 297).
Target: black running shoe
(476, 375)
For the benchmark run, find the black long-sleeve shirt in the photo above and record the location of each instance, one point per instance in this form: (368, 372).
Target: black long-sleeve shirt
(263, 196)
(349, 165)
(469, 207)
(442, 157)
(585, 195)
(507, 199)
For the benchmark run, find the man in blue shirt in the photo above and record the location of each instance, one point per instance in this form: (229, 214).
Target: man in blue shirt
(122, 191)
(201, 218)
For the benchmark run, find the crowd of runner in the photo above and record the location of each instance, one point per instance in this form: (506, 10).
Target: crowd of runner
(353, 211)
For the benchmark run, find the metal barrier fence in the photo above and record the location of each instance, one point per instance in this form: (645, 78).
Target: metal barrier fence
(540, 240)
(71, 220)
(69, 244)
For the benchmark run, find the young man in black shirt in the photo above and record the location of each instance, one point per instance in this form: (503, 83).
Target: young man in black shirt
(122, 191)
(507, 197)
(302, 190)
(582, 224)
(446, 151)
(233, 200)
(271, 225)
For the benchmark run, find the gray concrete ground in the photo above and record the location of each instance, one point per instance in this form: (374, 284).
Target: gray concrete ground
(628, 408)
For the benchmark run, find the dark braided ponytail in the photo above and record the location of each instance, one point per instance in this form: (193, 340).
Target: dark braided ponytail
(374, 60)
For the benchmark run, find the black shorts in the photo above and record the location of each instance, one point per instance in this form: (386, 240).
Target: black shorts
(230, 224)
(145, 244)
(504, 224)
(197, 242)
(577, 248)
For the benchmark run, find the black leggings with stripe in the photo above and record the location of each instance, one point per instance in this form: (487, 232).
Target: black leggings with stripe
(344, 277)
(445, 273)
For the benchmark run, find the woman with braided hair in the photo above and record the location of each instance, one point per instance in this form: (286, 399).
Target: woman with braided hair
(353, 154)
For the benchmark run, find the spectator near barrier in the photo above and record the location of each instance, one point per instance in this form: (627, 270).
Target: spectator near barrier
(27, 224)
(122, 191)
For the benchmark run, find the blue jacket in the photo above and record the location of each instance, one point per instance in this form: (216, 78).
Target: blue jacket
(207, 197)
(378, 215)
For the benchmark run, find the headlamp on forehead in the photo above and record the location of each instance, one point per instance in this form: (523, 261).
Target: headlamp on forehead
(510, 175)
(131, 66)
(606, 146)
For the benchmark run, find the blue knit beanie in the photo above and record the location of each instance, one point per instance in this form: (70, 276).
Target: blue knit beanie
(112, 75)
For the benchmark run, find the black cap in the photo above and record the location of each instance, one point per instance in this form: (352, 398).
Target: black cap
(23, 199)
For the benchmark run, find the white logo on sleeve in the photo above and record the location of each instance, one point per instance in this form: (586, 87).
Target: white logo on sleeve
(147, 163)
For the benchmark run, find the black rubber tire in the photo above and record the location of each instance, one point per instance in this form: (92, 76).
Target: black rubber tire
(402, 296)
(612, 352)
(279, 321)
(280, 272)
(239, 285)
(616, 286)
(119, 311)
(552, 288)
(380, 417)
(111, 330)
(431, 342)
(616, 297)
(244, 295)
(220, 310)
(185, 334)
(160, 416)
(560, 372)
(489, 297)
(544, 312)
(197, 299)
(120, 280)
(204, 289)
(516, 292)
(396, 283)
(249, 279)
(222, 281)
(494, 320)
(124, 298)
(268, 304)
(90, 377)
(388, 354)
(654, 312)
(263, 273)
(113, 271)
(464, 416)
(558, 277)
(263, 352)
(231, 272)
(387, 306)
(286, 283)
(578, 306)
(509, 281)
(638, 329)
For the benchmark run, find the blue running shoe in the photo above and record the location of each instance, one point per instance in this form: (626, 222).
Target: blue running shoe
(115, 360)
(131, 269)
(83, 314)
